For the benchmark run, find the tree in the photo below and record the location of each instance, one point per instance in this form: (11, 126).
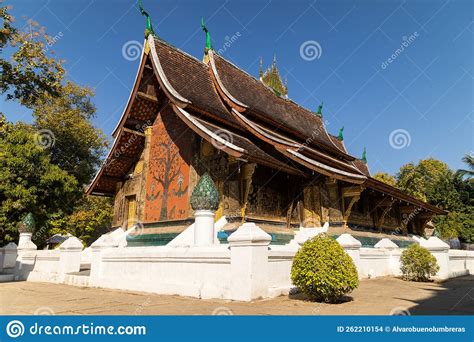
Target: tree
(463, 218)
(465, 189)
(91, 217)
(456, 224)
(430, 180)
(29, 72)
(44, 166)
(469, 160)
(386, 178)
(78, 146)
(411, 181)
(30, 182)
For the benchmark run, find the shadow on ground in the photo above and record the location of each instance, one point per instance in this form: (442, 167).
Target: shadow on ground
(378, 296)
(451, 297)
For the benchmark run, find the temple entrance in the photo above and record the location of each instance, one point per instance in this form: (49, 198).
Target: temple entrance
(131, 211)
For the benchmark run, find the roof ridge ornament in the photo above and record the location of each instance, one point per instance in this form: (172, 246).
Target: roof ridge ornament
(208, 42)
(272, 79)
(364, 156)
(149, 25)
(340, 136)
(319, 112)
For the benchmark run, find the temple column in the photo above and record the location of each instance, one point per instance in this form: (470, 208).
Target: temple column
(407, 215)
(220, 210)
(311, 206)
(247, 172)
(351, 194)
(385, 204)
(421, 220)
(334, 202)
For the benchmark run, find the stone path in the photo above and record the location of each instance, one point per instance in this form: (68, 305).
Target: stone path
(379, 296)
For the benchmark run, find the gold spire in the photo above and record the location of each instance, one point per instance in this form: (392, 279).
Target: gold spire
(271, 78)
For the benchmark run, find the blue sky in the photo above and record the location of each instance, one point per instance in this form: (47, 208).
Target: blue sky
(402, 105)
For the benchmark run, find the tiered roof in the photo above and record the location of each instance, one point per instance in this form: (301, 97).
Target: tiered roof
(219, 97)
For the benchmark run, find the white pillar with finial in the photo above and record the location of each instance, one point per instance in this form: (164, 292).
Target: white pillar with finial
(205, 201)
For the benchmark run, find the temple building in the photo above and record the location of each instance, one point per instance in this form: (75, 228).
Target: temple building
(273, 161)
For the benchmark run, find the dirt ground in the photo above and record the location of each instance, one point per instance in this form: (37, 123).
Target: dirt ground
(381, 296)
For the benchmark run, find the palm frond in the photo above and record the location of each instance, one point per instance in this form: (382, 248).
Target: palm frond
(469, 160)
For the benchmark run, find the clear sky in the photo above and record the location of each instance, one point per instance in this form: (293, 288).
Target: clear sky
(398, 75)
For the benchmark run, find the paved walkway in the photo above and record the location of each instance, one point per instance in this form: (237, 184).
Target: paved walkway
(379, 296)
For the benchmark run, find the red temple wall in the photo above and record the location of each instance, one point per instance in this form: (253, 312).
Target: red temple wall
(169, 159)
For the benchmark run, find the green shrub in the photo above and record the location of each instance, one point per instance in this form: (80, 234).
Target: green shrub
(418, 264)
(323, 270)
(456, 224)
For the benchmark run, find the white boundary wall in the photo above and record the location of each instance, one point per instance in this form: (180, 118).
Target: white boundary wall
(202, 272)
(245, 269)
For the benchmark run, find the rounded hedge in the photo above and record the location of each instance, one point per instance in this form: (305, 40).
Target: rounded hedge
(323, 270)
(417, 263)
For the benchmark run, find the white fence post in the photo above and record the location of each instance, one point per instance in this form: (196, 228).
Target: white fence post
(393, 266)
(25, 239)
(204, 228)
(25, 245)
(70, 256)
(249, 262)
(8, 256)
(352, 247)
(440, 250)
(101, 244)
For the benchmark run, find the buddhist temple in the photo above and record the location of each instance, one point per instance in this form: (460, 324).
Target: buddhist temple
(272, 161)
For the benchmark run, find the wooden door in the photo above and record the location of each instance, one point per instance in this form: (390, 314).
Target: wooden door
(132, 211)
